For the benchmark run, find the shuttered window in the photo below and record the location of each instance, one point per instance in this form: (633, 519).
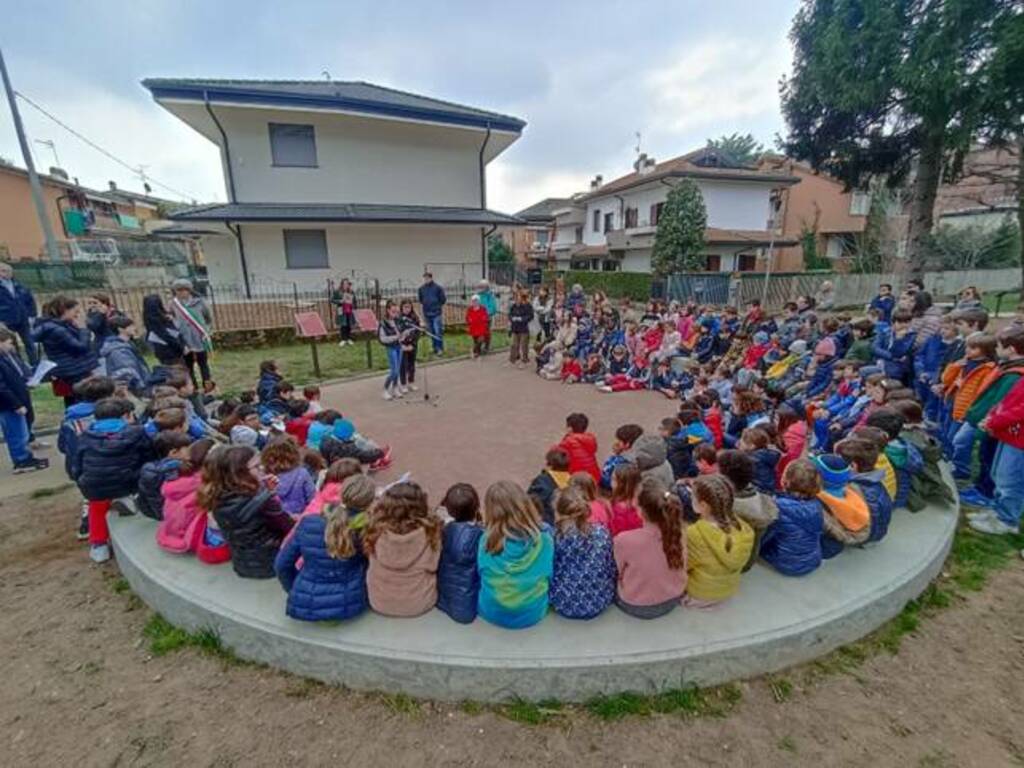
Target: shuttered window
(305, 249)
(292, 146)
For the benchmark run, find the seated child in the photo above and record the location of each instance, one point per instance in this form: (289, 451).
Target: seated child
(711, 415)
(881, 439)
(718, 545)
(792, 544)
(515, 559)
(663, 380)
(583, 576)
(294, 486)
(625, 436)
(634, 379)
(120, 359)
(551, 479)
(300, 416)
(276, 408)
(751, 505)
(581, 446)
(246, 428)
(572, 370)
(320, 427)
(862, 456)
(342, 443)
(334, 478)
(311, 394)
(705, 457)
(651, 558)
(106, 466)
(170, 449)
(403, 544)
(618, 362)
(550, 361)
(600, 509)
(847, 518)
(183, 523)
(926, 485)
(458, 582)
(269, 378)
(756, 442)
(331, 584)
(905, 459)
(594, 369)
(245, 510)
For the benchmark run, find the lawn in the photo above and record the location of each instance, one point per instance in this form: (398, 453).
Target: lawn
(236, 370)
(1008, 305)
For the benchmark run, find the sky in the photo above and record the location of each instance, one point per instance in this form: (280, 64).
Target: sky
(585, 76)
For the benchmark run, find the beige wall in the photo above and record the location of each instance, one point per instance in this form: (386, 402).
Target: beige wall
(20, 233)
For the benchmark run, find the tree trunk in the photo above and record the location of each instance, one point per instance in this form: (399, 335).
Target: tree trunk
(1020, 207)
(922, 205)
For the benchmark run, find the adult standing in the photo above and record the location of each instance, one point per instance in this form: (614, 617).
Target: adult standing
(432, 300)
(193, 319)
(344, 300)
(544, 310)
(68, 345)
(162, 334)
(489, 302)
(18, 310)
(825, 300)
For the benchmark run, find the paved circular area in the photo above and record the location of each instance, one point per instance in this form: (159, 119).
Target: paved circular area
(774, 621)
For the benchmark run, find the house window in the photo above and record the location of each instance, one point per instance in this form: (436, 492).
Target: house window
(541, 237)
(631, 218)
(714, 262)
(305, 249)
(579, 235)
(597, 221)
(860, 203)
(292, 146)
(747, 262)
(656, 213)
(610, 265)
(609, 221)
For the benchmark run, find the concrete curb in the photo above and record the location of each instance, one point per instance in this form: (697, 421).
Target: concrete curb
(773, 623)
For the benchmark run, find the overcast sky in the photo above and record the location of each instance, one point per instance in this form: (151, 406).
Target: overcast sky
(586, 76)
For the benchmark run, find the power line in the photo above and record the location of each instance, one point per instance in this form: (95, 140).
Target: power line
(135, 170)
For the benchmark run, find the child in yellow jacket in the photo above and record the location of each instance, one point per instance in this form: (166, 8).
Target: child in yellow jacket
(718, 545)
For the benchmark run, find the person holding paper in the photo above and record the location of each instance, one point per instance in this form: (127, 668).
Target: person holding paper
(16, 407)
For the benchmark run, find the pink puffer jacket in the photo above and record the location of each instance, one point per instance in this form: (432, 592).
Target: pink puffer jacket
(182, 523)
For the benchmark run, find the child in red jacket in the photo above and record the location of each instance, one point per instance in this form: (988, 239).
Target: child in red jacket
(299, 419)
(478, 324)
(581, 446)
(1005, 423)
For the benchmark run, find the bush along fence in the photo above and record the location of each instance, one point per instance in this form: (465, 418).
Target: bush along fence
(272, 306)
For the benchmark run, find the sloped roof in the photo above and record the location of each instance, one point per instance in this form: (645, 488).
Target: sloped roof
(342, 212)
(689, 166)
(344, 96)
(544, 210)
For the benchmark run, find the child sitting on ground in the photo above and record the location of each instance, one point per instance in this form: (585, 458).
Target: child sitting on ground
(299, 419)
(583, 576)
(245, 427)
(515, 559)
(719, 544)
(581, 446)
(862, 456)
(268, 380)
(458, 582)
(551, 479)
(792, 544)
(751, 505)
(106, 467)
(331, 585)
(341, 443)
(181, 529)
(847, 518)
(170, 449)
(880, 440)
(311, 394)
(625, 436)
(295, 488)
(756, 442)
(705, 457)
(927, 485)
(664, 381)
(651, 558)
(403, 544)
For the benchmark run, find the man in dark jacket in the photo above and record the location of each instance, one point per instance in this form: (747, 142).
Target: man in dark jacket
(16, 406)
(17, 309)
(432, 300)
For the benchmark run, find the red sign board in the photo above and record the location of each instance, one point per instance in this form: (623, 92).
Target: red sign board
(366, 320)
(309, 325)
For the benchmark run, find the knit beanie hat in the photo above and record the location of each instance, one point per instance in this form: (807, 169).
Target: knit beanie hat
(835, 472)
(798, 347)
(826, 347)
(343, 429)
(760, 337)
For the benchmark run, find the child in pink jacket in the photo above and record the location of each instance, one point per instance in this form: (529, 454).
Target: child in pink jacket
(182, 527)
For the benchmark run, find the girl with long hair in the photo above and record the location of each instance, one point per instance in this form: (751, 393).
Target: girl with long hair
(67, 344)
(162, 335)
(390, 336)
(583, 577)
(718, 544)
(625, 484)
(344, 300)
(409, 325)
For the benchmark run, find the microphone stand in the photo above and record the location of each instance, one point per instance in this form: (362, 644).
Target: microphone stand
(427, 399)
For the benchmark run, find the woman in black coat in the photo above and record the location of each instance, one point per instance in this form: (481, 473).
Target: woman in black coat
(161, 334)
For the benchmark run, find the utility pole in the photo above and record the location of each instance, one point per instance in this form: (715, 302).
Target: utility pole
(33, 177)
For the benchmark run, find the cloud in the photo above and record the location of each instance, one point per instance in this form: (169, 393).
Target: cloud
(512, 187)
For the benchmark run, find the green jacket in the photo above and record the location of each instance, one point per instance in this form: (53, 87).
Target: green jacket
(860, 350)
(1009, 373)
(927, 485)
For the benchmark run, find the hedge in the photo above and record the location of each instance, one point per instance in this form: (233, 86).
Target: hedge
(635, 286)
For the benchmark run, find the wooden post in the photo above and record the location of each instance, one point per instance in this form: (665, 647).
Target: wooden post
(369, 354)
(316, 358)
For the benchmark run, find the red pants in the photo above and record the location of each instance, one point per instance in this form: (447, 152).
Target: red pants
(98, 533)
(620, 382)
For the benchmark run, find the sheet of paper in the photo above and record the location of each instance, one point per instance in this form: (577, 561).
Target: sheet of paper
(44, 367)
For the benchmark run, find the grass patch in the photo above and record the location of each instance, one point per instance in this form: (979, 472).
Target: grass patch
(120, 585)
(304, 688)
(689, 702)
(165, 638)
(529, 713)
(44, 493)
(401, 703)
(471, 707)
(787, 744)
(781, 688)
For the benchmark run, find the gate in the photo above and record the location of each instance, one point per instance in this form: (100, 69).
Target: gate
(699, 287)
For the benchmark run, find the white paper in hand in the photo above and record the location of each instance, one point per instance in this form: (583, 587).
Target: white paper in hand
(44, 367)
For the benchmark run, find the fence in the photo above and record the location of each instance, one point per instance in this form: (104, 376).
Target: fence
(272, 306)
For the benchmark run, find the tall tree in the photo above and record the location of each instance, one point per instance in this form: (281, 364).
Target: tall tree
(741, 147)
(886, 87)
(498, 251)
(679, 239)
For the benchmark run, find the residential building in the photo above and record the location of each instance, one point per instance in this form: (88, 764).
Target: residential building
(612, 226)
(985, 194)
(819, 204)
(327, 179)
(531, 242)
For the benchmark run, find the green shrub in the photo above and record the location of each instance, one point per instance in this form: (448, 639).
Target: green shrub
(616, 285)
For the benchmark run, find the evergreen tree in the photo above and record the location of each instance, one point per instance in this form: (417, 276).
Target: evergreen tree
(679, 240)
(498, 251)
(743, 148)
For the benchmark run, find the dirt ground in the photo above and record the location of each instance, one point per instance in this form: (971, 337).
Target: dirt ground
(80, 685)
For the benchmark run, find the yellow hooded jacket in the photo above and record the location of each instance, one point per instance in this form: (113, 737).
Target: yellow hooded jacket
(714, 573)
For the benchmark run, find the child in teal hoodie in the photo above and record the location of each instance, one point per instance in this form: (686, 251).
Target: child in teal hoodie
(515, 559)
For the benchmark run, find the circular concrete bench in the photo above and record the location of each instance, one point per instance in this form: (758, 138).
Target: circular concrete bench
(774, 622)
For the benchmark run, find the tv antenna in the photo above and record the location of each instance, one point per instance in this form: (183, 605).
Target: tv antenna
(53, 148)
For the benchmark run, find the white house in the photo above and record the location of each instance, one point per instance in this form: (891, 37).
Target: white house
(612, 226)
(327, 179)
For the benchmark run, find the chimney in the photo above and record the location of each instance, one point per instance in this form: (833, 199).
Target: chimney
(646, 165)
(596, 182)
(58, 173)
(112, 185)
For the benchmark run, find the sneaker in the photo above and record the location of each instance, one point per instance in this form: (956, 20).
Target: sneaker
(974, 498)
(413, 388)
(605, 389)
(403, 390)
(387, 395)
(99, 553)
(397, 392)
(992, 526)
(32, 465)
(83, 523)
(39, 445)
(125, 507)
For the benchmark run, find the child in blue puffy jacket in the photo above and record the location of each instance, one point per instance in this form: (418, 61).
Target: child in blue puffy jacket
(792, 544)
(862, 456)
(458, 580)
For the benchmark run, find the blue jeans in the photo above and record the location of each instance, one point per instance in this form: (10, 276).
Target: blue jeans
(394, 365)
(963, 448)
(1008, 473)
(435, 325)
(15, 430)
